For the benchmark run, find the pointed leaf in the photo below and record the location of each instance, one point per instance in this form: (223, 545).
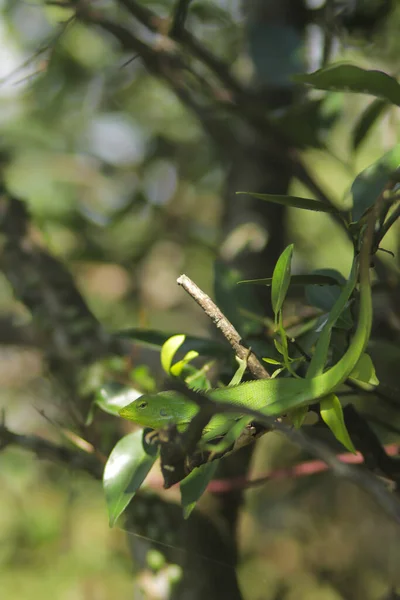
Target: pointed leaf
(364, 371)
(367, 120)
(281, 279)
(195, 484)
(238, 376)
(332, 414)
(168, 351)
(294, 201)
(320, 355)
(178, 367)
(113, 396)
(272, 361)
(311, 279)
(370, 183)
(349, 78)
(125, 470)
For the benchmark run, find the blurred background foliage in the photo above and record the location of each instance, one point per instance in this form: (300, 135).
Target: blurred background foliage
(130, 186)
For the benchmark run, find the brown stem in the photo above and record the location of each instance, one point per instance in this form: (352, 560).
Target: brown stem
(225, 326)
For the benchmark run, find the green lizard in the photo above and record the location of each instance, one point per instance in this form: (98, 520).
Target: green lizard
(273, 397)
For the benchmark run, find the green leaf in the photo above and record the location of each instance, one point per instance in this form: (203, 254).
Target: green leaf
(320, 355)
(325, 297)
(272, 361)
(370, 183)
(349, 78)
(113, 396)
(284, 345)
(281, 279)
(195, 484)
(156, 339)
(332, 414)
(311, 279)
(237, 378)
(366, 121)
(168, 351)
(364, 371)
(233, 300)
(125, 470)
(294, 201)
(178, 367)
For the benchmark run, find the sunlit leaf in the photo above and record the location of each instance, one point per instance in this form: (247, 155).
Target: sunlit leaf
(349, 78)
(125, 470)
(168, 351)
(364, 371)
(237, 378)
(332, 414)
(281, 279)
(272, 361)
(294, 201)
(178, 367)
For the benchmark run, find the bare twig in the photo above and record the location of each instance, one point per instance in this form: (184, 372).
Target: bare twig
(224, 325)
(302, 469)
(170, 66)
(46, 449)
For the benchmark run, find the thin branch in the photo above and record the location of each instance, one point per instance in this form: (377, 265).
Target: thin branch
(224, 325)
(41, 50)
(303, 469)
(47, 450)
(179, 19)
(241, 103)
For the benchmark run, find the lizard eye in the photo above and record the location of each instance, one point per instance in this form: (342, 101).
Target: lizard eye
(142, 404)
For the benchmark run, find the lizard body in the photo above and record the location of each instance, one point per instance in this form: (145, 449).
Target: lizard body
(272, 397)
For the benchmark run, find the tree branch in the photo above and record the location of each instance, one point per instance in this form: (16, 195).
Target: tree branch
(47, 450)
(224, 325)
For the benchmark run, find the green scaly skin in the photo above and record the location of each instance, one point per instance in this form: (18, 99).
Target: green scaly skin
(273, 397)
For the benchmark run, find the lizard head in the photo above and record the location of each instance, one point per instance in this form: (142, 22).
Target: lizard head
(159, 410)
